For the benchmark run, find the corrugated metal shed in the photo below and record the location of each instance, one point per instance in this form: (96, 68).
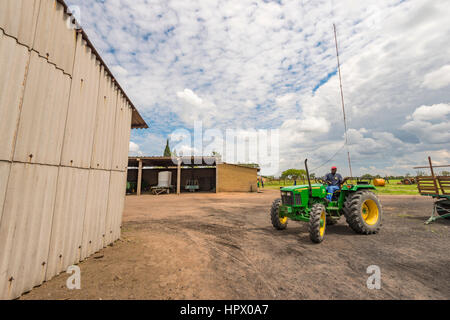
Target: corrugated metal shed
(18, 19)
(105, 123)
(79, 134)
(25, 227)
(53, 39)
(97, 205)
(121, 135)
(4, 174)
(13, 65)
(43, 116)
(42, 26)
(115, 205)
(68, 219)
(64, 136)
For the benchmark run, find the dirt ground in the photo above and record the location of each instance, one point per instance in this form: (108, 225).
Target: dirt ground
(222, 246)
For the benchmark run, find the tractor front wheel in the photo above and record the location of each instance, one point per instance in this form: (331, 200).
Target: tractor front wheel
(317, 223)
(363, 211)
(279, 223)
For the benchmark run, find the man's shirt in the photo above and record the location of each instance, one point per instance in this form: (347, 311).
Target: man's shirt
(333, 179)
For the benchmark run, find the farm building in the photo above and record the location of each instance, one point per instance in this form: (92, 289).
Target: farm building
(64, 139)
(207, 173)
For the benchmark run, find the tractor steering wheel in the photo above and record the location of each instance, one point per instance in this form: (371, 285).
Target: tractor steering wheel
(320, 180)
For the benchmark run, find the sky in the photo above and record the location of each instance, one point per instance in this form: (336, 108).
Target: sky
(271, 65)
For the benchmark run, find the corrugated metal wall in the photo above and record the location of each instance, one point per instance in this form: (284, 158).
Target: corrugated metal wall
(64, 135)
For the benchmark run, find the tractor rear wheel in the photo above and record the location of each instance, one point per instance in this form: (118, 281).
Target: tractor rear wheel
(279, 223)
(317, 223)
(363, 212)
(443, 207)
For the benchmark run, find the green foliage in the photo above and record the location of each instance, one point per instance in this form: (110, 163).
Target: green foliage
(167, 152)
(217, 155)
(294, 174)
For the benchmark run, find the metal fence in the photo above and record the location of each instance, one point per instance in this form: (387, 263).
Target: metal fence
(64, 134)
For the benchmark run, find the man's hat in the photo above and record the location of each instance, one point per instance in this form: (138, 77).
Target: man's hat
(333, 168)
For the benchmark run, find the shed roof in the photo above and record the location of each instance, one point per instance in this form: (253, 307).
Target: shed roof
(137, 122)
(192, 161)
(171, 162)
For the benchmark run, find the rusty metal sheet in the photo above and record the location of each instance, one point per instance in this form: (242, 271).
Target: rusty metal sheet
(122, 134)
(18, 19)
(79, 134)
(55, 38)
(95, 215)
(14, 60)
(43, 116)
(68, 218)
(115, 206)
(105, 123)
(25, 228)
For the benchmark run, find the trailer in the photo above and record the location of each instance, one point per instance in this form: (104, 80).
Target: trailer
(437, 187)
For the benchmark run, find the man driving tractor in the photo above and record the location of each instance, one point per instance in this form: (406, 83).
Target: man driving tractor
(334, 181)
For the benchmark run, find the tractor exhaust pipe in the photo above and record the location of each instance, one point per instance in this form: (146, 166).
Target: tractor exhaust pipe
(307, 174)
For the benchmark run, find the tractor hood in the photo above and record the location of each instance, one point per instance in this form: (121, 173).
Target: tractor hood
(301, 187)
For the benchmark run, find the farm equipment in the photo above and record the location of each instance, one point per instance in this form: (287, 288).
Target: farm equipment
(192, 185)
(308, 203)
(437, 187)
(408, 181)
(164, 183)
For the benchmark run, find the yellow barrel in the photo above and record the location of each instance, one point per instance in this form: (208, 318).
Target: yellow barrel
(379, 182)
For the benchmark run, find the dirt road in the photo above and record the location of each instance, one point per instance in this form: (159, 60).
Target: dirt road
(222, 246)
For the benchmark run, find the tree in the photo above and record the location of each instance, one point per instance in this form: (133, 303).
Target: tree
(445, 173)
(294, 174)
(420, 173)
(167, 152)
(216, 155)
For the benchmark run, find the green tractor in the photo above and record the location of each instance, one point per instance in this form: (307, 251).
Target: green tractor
(309, 203)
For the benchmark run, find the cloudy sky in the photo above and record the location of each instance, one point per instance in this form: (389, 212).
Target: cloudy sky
(248, 65)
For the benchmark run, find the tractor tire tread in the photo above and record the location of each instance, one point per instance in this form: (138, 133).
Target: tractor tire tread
(274, 215)
(352, 207)
(314, 223)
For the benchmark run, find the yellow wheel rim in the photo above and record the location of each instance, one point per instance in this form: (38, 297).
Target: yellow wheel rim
(283, 220)
(323, 223)
(369, 212)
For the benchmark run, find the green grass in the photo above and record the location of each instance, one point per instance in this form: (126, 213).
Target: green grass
(391, 188)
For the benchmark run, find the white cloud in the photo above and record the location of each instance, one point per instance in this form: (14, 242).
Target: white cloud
(431, 124)
(435, 112)
(246, 64)
(135, 150)
(190, 97)
(437, 79)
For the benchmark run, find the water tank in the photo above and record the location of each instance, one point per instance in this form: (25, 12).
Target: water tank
(164, 179)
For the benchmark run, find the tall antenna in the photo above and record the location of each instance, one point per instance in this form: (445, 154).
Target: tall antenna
(342, 99)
